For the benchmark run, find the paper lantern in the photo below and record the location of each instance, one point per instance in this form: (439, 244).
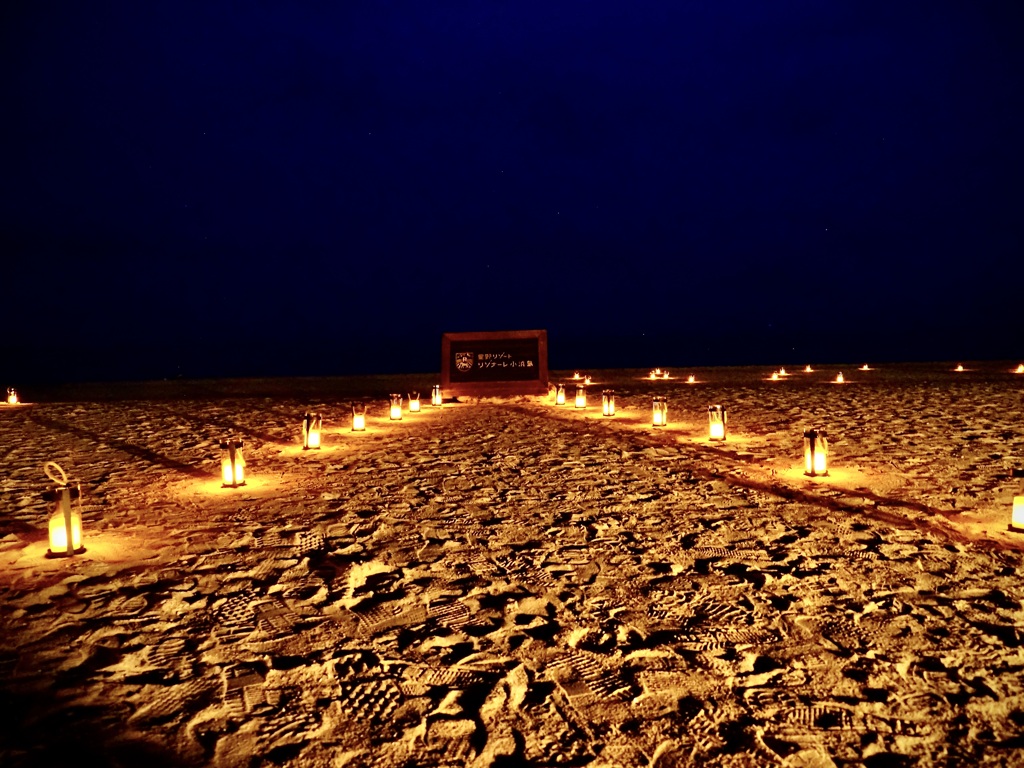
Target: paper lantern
(608, 402)
(232, 464)
(1017, 516)
(65, 524)
(12, 396)
(414, 402)
(560, 395)
(396, 407)
(815, 453)
(311, 429)
(660, 412)
(716, 422)
(358, 417)
(581, 396)
(435, 395)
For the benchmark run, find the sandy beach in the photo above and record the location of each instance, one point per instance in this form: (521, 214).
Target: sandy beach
(511, 582)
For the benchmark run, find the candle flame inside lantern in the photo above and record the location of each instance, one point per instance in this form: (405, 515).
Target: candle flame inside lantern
(959, 369)
(560, 395)
(587, 380)
(840, 379)
(575, 375)
(1020, 368)
(808, 369)
(782, 372)
(608, 403)
(581, 396)
(691, 379)
(232, 464)
(1017, 516)
(396, 407)
(12, 396)
(358, 417)
(716, 422)
(865, 367)
(435, 395)
(815, 453)
(659, 414)
(414, 402)
(775, 375)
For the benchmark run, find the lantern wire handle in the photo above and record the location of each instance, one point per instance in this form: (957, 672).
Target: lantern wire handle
(63, 475)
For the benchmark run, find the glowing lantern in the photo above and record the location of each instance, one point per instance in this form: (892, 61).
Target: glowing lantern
(775, 375)
(654, 374)
(808, 369)
(716, 422)
(691, 379)
(232, 464)
(12, 396)
(587, 380)
(576, 376)
(311, 427)
(840, 379)
(815, 453)
(664, 375)
(560, 395)
(1020, 369)
(608, 402)
(1017, 517)
(396, 407)
(782, 372)
(959, 369)
(865, 367)
(65, 526)
(358, 417)
(581, 396)
(414, 402)
(435, 395)
(660, 412)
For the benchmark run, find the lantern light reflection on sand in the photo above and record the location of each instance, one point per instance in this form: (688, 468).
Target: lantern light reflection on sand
(358, 417)
(716, 422)
(815, 453)
(65, 524)
(435, 395)
(396, 407)
(232, 464)
(414, 402)
(608, 402)
(659, 414)
(560, 394)
(12, 396)
(312, 424)
(581, 396)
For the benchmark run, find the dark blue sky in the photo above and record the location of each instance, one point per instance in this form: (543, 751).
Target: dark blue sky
(335, 184)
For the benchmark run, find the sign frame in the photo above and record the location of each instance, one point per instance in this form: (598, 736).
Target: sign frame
(460, 384)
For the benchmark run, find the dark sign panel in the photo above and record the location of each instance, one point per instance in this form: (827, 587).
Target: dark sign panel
(507, 362)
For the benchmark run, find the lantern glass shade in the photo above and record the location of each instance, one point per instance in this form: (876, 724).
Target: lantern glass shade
(815, 453)
(608, 403)
(435, 395)
(660, 412)
(65, 527)
(12, 396)
(581, 396)
(716, 422)
(232, 464)
(414, 402)
(312, 428)
(560, 395)
(358, 417)
(1017, 516)
(396, 407)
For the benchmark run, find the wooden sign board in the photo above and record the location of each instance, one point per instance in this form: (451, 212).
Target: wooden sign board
(494, 364)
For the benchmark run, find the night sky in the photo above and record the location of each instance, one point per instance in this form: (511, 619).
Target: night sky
(214, 189)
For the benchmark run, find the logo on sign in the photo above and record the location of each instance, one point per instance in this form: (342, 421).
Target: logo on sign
(463, 360)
